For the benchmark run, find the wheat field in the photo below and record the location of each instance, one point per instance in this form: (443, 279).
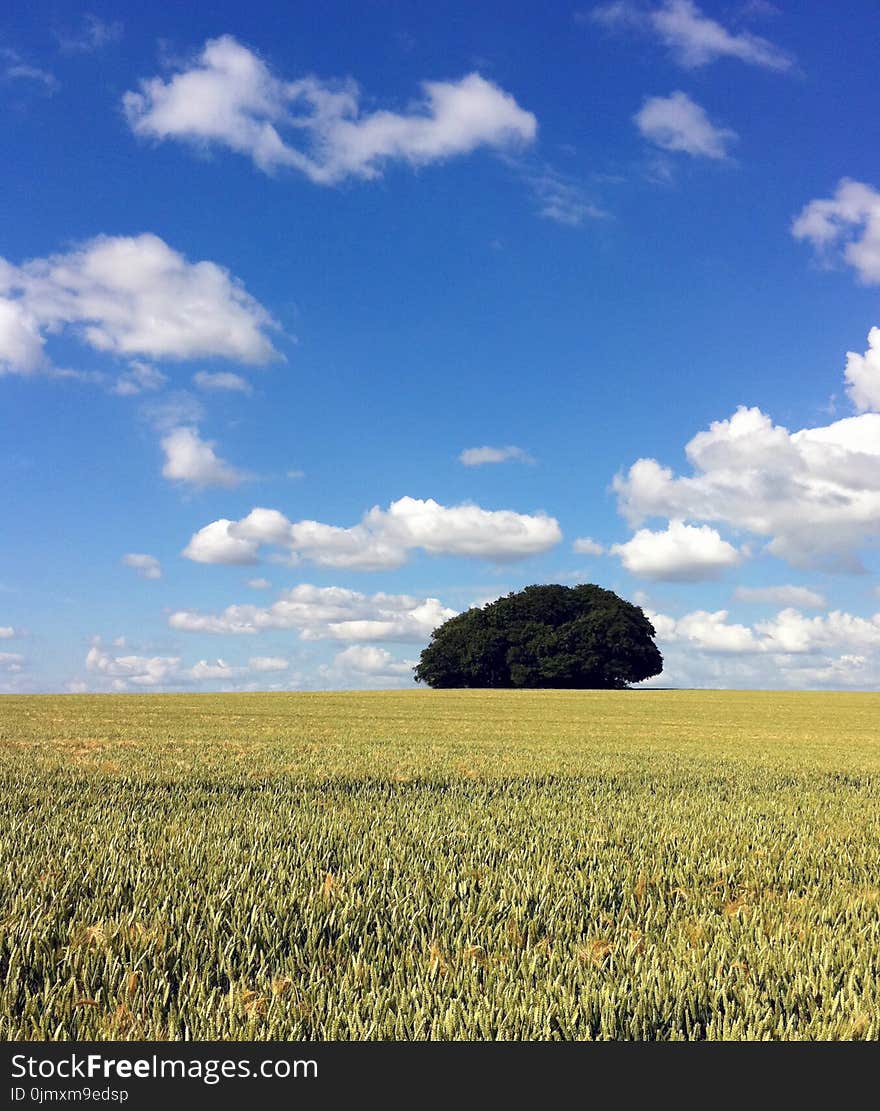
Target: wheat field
(441, 865)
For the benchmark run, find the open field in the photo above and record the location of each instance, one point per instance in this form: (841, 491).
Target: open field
(651, 864)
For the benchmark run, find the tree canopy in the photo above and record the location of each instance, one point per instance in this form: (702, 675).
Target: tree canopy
(544, 636)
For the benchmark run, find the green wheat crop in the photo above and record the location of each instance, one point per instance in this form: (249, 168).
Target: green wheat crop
(461, 864)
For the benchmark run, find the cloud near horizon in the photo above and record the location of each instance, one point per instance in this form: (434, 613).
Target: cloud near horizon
(123, 672)
(326, 613)
(835, 649)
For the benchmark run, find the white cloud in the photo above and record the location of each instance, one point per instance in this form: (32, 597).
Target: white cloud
(363, 659)
(216, 544)
(326, 613)
(832, 650)
(268, 663)
(143, 671)
(677, 123)
(585, 545)
(863, 374)
(21, 344)
(791, 632)
(7, 632)
(681, 553)
(815, 493)
(798, 596)
(124, 672)
(710, 632)
(139, 378)
(259, 584)
(128, 296)
(222, 380)
(219, 669)
(189, 458)
(11, 662)
(147, 566)
(478, 456)
(693, 38)
(383, 538)
(229, 97)
(849, 222)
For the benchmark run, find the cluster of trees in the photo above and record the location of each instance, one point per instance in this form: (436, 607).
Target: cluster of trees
(544, 636)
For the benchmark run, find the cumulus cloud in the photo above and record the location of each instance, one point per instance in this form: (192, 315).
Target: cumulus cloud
(229, 97)
(478, 456)
(259, 584)
(791, 596)
(215, 543)
(371, 660)
(815, 493)
(711, 632)
(326, 613)
(143, 671)
(190, 459)
(846, 225)
(7, 632)
(383, 538)
(585, 545)
(128, 296)
(677, 123)
(692, 38)
(221, 380)
(21, 344)
(680, 553)
(147, 566)
(831, 650)
(791, 632)
(124, 672)
(863, 375)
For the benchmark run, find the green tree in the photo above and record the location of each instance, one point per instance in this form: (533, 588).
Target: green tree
(544, 636)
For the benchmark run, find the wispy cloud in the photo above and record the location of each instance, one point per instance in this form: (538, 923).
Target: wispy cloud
(15, 68)
(691, 37)
(560, 197)
(91, 35)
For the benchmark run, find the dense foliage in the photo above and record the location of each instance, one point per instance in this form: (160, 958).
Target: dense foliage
(580, 637)
(440, 864)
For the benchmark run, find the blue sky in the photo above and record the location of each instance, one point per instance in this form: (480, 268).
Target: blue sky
(318, 325)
